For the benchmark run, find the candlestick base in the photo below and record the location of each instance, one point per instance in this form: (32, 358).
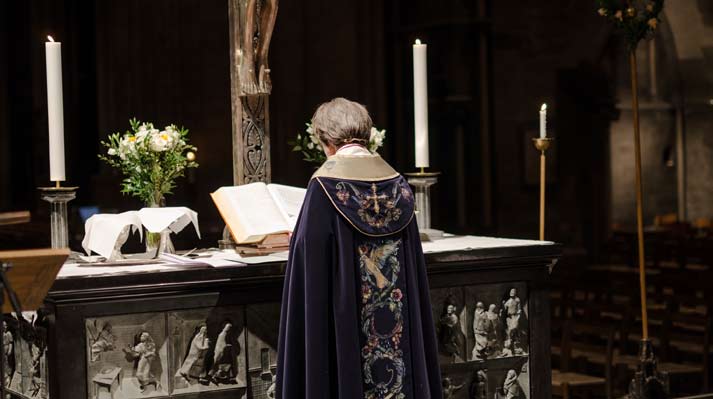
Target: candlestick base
(58, 197)
(422, 182)
(648, 382)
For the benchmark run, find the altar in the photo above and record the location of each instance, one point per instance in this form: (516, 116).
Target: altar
(209, 329)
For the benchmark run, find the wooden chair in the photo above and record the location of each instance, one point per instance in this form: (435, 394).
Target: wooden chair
(578, 344)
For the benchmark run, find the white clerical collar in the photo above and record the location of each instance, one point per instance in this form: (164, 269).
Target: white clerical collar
(353, 150)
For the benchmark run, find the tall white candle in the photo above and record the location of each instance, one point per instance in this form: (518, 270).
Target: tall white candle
(55, 108)
(420, 103)
(543, 121)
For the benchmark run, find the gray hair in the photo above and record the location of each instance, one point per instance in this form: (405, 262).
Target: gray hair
(341, 121)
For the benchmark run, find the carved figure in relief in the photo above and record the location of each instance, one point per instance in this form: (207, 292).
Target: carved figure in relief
(493, 329)
(450, 336)
(102, 341)
(143, 354)
(194, 366)
(255, 44)
(449, 389)
(479, 385)
(512, 311)
(511, 387)
(8, 355)
(480, 331)
(271, 389)
(36, 382)
(224, 368)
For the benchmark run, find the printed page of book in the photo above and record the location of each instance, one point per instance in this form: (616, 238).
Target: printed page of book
(251, 212)
(289, 200)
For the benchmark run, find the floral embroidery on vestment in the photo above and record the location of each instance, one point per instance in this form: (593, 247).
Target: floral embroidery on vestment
(382, 320)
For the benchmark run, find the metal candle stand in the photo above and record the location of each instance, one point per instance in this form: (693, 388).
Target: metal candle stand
(422, 182)
(58, 197)
(542, 144)
(648, 382)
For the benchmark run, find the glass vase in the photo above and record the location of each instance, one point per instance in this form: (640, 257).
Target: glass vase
(160, 242)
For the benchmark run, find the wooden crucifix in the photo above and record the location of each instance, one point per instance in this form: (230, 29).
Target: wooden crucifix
(251, 25)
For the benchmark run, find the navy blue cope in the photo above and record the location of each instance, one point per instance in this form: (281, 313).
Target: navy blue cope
(356, 317)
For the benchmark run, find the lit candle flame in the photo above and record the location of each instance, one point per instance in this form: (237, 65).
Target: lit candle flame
(418, 41)
(50, 38)
(544, 107)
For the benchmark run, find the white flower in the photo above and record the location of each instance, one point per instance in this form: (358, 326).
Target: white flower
(145, 127)
(160, 141)
(376, 138)
(310, 146)
(111, 151)
(141, 135)
(314, 138)
(127, 146)
(602, 12)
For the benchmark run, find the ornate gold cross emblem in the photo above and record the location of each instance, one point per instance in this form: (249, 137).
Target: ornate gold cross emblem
(374, 196)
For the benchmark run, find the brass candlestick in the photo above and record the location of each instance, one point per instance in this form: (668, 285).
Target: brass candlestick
(542, 144)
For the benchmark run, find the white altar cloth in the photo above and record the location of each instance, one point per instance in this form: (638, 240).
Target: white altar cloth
(219, 259)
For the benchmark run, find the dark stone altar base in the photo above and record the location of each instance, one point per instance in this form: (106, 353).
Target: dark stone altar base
(84, 355)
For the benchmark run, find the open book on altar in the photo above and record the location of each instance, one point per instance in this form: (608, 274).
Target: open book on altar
(259, 212)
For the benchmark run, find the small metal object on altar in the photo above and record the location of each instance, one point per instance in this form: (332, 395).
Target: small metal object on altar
(422, 182)
(58, 197)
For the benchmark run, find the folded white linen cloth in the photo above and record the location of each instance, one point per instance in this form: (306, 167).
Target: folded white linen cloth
(175, 219)
(105, 233)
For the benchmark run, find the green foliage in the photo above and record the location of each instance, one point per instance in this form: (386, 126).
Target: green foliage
(636, 18)
(309, 145)
(150, 159)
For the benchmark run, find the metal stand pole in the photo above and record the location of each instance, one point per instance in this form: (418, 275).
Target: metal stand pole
(542, 145)
(58, 197)
(2, 338)
(648, 382)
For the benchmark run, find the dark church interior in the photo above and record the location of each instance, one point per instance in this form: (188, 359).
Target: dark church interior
(491, 65)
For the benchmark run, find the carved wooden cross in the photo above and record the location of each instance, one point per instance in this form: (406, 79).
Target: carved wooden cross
(251, 26)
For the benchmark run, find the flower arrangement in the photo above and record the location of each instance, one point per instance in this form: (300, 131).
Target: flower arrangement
(637, 18)
(150, 159)
(309, 145)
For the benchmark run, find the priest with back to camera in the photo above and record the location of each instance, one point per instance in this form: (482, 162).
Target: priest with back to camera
(356, 316)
